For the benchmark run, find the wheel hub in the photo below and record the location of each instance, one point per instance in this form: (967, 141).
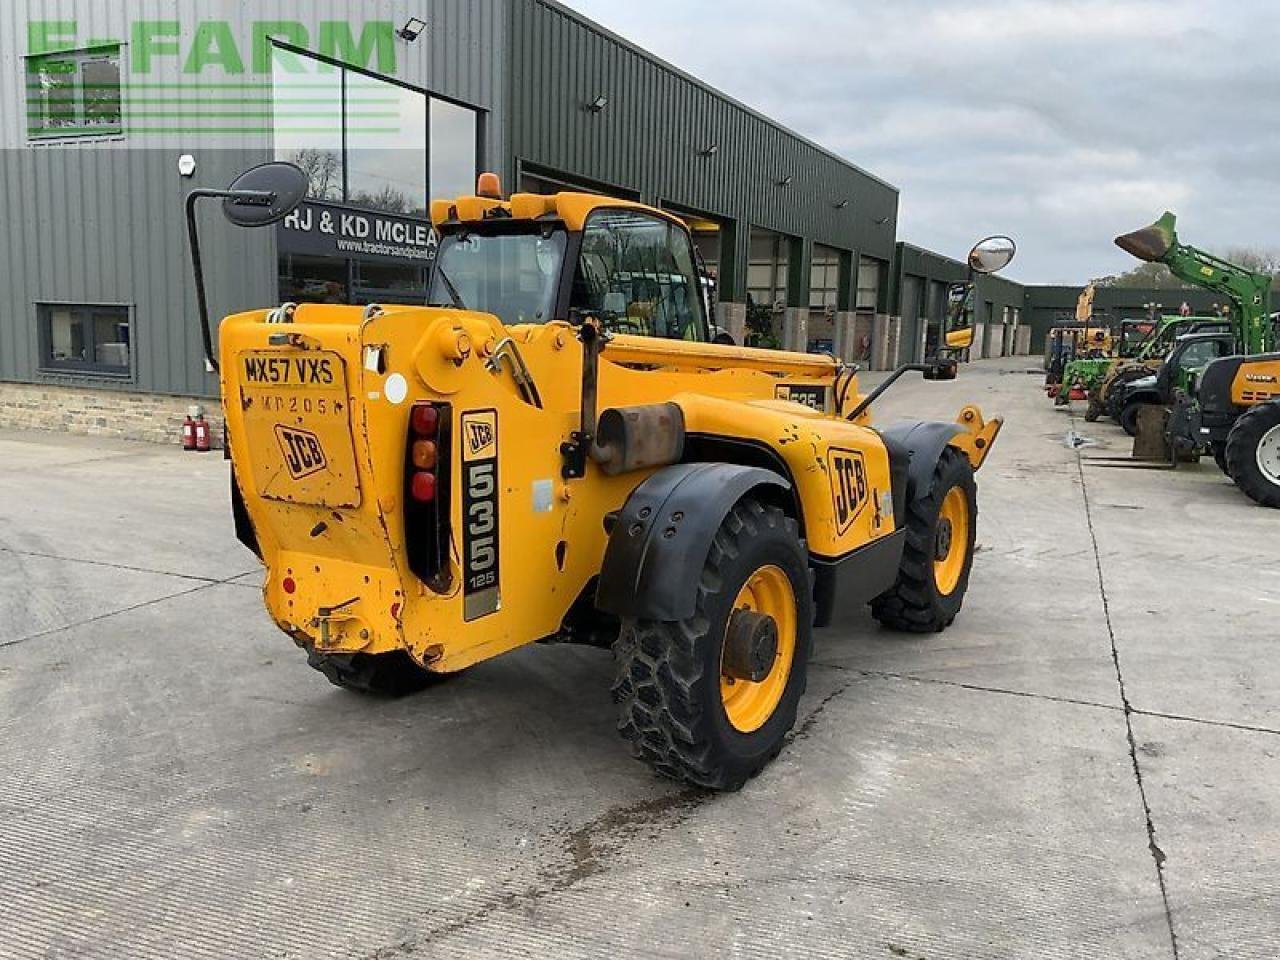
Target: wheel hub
(1268, 455)
(750, 646)
(942, 539)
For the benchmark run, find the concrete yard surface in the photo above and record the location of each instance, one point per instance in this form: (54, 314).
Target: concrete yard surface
(1085, 765)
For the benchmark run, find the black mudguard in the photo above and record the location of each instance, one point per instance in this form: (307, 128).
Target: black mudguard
(921, 443)
(240, 516)
(663, 533)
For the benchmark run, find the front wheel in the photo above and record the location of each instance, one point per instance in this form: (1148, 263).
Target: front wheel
(1128, 418)
(938, 555)
(710, 699)
(1253, 453)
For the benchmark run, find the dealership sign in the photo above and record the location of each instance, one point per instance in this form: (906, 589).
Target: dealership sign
(328, 230)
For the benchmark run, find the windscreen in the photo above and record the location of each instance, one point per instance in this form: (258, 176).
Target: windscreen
(514, 276)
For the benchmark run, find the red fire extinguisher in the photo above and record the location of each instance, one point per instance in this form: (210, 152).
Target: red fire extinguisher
(188, 433)
(202, 433)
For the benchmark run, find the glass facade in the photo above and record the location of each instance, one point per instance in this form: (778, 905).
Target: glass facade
(367, 143)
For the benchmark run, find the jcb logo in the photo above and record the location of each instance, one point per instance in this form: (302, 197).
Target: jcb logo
(303, 454)
(847, 474)
(481, 555)
(479, 436)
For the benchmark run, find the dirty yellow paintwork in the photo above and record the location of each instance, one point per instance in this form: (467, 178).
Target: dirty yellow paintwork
(318, 409)
(352, 588)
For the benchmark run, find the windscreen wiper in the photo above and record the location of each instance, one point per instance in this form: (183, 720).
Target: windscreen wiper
(454, 295)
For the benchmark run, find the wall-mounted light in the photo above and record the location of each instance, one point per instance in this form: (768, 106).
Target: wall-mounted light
(186, 165)
(710, 150)
(598, 104)
(841, 204)
(785, 181)
(411, 30)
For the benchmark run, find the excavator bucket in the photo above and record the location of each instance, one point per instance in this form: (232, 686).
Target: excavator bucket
(1151, 243)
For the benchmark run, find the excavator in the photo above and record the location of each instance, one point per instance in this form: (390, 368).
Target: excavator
(1227, 398)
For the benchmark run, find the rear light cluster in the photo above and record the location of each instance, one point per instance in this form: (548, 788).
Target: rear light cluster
(424, 453)
(426, 510)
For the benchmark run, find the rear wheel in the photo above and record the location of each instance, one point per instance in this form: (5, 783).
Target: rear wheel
(1253, 453)
(392, 674)
(710, 699)
(1219, 451)
(938, 554)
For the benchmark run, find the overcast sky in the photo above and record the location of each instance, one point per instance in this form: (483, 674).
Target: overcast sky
(1061, 123)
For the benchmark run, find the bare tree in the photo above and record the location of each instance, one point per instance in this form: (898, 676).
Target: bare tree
(324, 172)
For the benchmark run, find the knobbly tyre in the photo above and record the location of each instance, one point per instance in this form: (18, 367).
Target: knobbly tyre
(551, 450)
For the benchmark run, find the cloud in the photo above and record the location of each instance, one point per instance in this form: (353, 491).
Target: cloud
(1063, 122)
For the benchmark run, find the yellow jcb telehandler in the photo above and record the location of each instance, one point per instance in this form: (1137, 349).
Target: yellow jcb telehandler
(551, 449)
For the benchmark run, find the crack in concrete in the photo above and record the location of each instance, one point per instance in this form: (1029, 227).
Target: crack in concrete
(112, 613)
(1030, 695)
(114, 566)
(977, 688)
(1157, 854)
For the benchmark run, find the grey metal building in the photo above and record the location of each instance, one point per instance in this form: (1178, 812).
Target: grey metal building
(384, 104)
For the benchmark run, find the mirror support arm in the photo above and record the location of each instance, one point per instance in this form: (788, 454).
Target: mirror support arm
(256, 197)
(202, 302)
(889, 381)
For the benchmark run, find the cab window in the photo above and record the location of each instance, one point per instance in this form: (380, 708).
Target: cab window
(636, 274)
(1200, 353)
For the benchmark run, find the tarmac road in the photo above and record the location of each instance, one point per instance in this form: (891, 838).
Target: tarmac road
(1085, 765)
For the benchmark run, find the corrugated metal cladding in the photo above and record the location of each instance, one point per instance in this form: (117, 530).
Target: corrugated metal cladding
(100, 221)
(651, 134)
(1049, 305)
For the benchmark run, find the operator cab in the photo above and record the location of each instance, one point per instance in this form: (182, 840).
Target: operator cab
(1190, 355)
(533, 259)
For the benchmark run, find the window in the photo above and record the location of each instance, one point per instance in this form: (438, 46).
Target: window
(636, 274)
(767, 268)
(312, 280)
(85, 338)
(76, 93)
(367, 141)
(452, 168)
(824, 278)
(386, 153)
(868, 284)
(513, 275)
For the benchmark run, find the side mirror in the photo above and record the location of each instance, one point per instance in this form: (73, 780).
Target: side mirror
(259, 197)
(961, 339)
(264, 194)
(992, 254)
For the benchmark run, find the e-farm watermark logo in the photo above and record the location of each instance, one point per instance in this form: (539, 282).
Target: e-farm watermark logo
(210, 76)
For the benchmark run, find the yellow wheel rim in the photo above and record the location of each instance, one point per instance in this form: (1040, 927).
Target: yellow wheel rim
(747, 704)
(951, 541)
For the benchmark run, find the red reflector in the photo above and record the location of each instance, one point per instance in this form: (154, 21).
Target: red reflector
(425, 420)
(288, 585)
(424, 454)
(423, 486)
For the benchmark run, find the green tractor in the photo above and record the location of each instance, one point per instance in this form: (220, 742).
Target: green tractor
(1180, 429)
